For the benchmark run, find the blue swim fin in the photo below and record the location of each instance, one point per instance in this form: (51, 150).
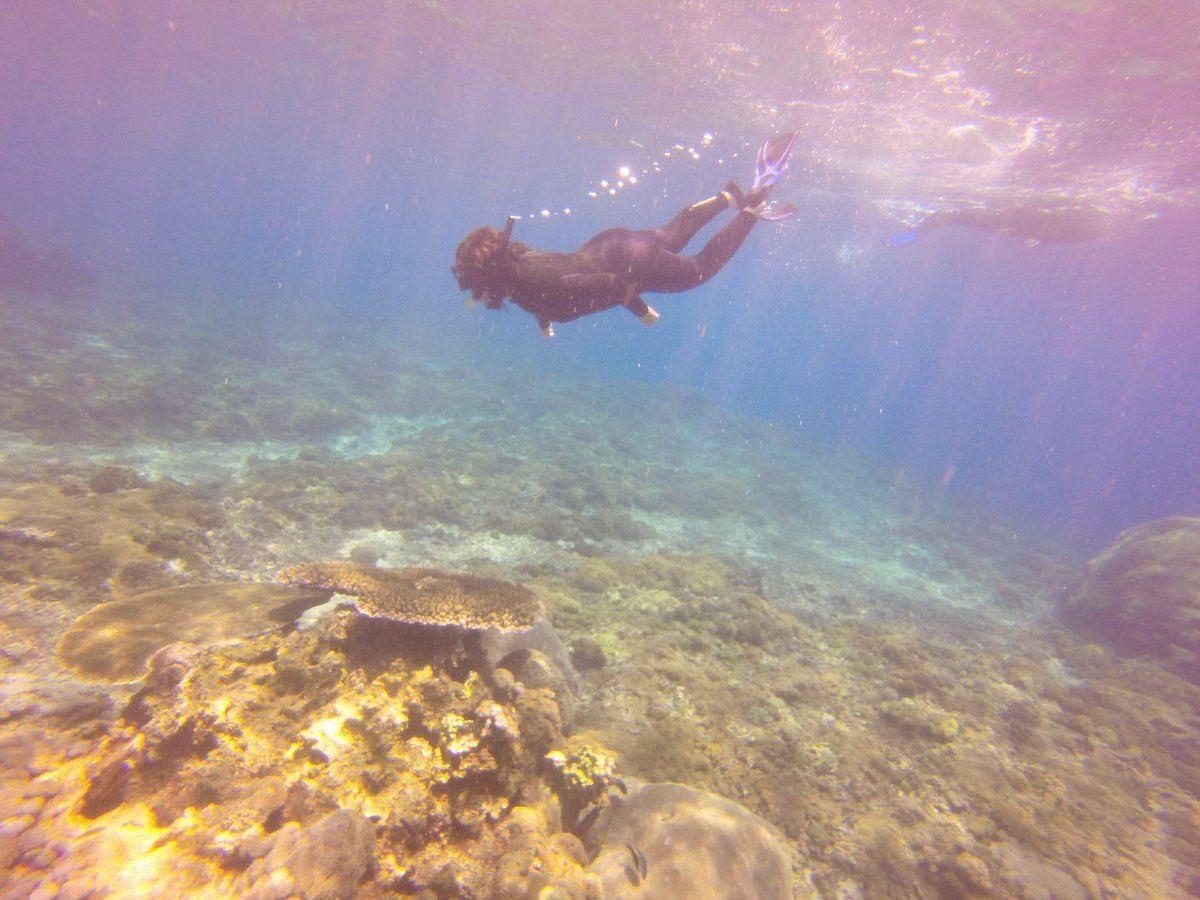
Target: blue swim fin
(773, 158)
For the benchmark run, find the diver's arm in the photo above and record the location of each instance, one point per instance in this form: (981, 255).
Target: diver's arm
(603, 289)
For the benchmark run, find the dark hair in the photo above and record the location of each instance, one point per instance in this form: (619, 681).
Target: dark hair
(483, 264)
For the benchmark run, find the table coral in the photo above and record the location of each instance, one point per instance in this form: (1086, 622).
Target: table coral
(113, 641)
(423, 596)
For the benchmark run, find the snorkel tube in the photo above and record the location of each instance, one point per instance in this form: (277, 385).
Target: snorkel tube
(507, 233)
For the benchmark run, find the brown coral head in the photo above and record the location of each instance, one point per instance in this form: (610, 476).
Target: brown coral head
(423, 596)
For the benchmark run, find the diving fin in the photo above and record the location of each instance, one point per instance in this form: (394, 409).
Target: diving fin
(773, 158)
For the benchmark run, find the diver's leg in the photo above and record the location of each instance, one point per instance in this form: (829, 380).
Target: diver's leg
(674, 236)
(725, 243)
(665, 272)
(643, 261)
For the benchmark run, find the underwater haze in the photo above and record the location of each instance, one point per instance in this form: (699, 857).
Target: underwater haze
(882, 543)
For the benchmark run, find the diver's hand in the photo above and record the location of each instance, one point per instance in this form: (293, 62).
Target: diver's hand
(646, 314)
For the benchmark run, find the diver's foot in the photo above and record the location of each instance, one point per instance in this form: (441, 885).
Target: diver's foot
(650, 317)
(733, 195)
(758, 195)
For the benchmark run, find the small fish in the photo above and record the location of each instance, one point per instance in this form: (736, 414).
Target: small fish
(639, 860)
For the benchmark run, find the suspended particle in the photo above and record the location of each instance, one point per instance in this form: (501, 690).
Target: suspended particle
(707, 139)
(612, 192)
(604, 184)
(566, 210)
(623, 171)
(545, 213)
(620, 184)
(593, 195)
(633, 179)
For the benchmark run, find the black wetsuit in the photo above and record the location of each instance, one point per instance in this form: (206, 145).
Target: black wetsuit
(615, 266)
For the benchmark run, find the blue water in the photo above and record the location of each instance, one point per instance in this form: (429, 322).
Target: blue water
(302, 170)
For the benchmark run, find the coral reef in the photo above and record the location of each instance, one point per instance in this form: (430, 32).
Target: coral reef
(910, 750)
(861, 664)
(1142, 594)
(67, 540)
(112, 641)
(423, 596)
(354, 756)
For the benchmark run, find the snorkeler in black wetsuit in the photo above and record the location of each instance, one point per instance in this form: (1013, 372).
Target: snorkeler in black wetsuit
(616, 266)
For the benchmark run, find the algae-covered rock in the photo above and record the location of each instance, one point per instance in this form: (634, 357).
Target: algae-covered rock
(583, 773)
(668, 841)
(921, 718)
(1142, 594)
(587, 654)
(325, 861)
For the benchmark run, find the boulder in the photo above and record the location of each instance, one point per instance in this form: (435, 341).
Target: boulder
(325, 861)
(668, 841)
(1142, 594)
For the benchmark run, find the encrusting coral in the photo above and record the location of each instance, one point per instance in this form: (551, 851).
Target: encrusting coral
(423, 596)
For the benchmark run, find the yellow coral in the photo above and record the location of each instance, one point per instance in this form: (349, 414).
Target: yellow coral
(584, 769)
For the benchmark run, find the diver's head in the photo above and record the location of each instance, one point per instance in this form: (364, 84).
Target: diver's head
(483, 264)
